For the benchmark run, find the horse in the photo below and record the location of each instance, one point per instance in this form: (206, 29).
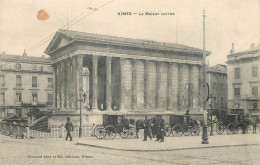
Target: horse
(139, 124)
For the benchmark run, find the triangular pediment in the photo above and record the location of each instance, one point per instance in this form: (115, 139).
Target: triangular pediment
(58, 41)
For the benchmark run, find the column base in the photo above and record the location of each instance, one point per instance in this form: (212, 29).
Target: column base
(95, 109)
(109, 109)
(205, 135)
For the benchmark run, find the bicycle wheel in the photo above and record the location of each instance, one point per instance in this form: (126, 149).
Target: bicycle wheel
(195, 131)
(177, 130)
(231, 128)
(187, 131)
(168, 130)
(220, 128)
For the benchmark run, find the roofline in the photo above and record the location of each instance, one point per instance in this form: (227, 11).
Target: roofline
(199, 51)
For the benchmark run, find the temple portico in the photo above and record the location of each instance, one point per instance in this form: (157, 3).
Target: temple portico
(124, 75)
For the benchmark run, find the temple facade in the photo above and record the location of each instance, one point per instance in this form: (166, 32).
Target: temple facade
(113, 75)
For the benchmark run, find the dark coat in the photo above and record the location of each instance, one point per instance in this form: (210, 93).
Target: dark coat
(69, 126)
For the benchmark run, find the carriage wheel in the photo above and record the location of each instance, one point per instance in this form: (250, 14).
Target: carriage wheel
(99, 132)
(177, 130)
(195, 131)
(231, 128)
(132, 133)
(220, 128)
(168, 130)
(110, 132)
(124, 134)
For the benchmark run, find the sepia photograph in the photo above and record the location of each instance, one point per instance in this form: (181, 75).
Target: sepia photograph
(135, 82)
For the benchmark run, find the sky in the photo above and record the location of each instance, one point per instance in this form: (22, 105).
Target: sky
(227, 22)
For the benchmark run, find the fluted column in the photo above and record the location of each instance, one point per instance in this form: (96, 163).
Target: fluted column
(74, 82)
(63, 89)
(68, 83)
(169, 86)
(146, 85)
(134, 85)
(80, 75)
(122, 88)
(58, 85)
(180, 84)
(108, 84)
(55, 86)
(158, 84)
(95, 82)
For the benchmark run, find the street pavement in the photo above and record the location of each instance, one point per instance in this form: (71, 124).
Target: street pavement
(173, 143)
(57, 151)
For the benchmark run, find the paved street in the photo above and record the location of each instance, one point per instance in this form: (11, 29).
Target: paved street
(58, 151)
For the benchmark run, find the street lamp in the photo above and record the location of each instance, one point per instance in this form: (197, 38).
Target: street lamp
(211, 124)
(82, 98)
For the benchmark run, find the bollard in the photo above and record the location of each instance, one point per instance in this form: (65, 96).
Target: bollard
(27, 132)
(62, 131)
(18, 131)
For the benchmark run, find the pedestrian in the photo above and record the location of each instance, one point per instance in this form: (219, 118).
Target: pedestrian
(147, 128)
(188, 118)
(69, 127)
(157, 128)
(162, 130)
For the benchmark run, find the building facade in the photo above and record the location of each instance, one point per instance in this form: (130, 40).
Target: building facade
(25, 85)
(243, 80)
(123, 76)
(218, 89)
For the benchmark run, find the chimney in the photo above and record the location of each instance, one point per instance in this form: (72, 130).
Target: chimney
(252, 45)
(24, 53)
(232, 51)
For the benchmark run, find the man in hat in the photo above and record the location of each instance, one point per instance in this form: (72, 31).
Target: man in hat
(69, 127)
(147, 128)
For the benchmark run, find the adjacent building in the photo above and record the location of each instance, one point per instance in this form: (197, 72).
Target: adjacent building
(26, 85)
(244, 80)
(218, 89)
(122, 76)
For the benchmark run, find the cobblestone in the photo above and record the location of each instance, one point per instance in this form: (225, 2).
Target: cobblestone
(16, 151)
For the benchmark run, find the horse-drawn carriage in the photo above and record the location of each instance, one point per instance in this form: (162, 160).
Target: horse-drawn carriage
(233, 123)
(182, 125)
(113, 124)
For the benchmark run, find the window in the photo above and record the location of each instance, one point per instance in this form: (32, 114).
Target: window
(2, 98)
(34, 98)
(18, 66)
(237, 91)
(49, 82)
(49, 99)
(2, 80)
(18, 80)
(34, 67)
(254, 71)
(254, 106)
(255, 90)
(34, 81)
(18, 97)
(237, 73)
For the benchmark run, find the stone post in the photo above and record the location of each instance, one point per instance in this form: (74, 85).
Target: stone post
(28, 132)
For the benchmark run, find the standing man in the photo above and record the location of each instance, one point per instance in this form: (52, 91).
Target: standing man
(69, 127)
(158, 130)
(147, 128)
(162, 130)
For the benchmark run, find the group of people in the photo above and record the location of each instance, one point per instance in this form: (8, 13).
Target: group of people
(154, 127)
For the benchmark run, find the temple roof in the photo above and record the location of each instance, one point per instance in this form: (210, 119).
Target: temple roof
(112, 40)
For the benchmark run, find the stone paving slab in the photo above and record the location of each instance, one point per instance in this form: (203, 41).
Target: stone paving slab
(172, 143)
